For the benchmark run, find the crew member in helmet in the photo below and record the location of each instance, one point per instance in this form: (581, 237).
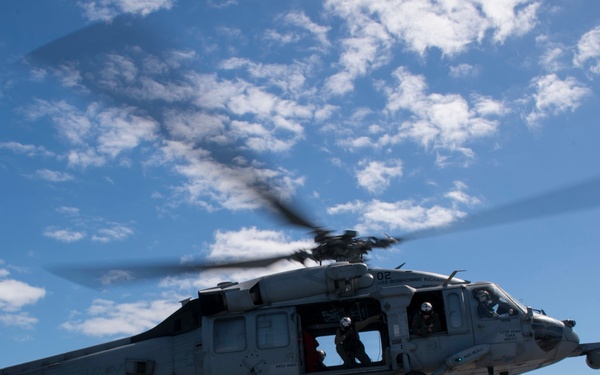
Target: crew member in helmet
(490, 307)
(426, 321)
(347, 342)
(485, 306)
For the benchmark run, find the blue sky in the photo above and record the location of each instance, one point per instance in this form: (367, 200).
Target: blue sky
(383, 117)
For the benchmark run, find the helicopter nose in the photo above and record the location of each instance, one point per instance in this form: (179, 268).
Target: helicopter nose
(551, 333)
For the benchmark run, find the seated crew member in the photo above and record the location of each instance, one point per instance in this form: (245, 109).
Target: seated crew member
(426, 321)
(485, 307)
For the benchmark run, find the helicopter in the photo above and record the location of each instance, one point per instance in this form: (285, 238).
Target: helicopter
(268, 325)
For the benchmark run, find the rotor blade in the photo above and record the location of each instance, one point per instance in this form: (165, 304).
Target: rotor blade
(580, 196)
(107, 274)
(290, 215)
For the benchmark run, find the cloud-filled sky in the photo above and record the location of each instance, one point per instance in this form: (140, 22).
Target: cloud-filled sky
(131, 129)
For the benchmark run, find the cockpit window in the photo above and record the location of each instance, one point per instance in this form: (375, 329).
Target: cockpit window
(493, 302)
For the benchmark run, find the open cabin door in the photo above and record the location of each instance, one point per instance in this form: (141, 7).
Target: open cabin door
(319, 324)
(255, 342)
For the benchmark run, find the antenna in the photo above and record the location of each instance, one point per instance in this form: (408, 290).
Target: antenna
(451, 277)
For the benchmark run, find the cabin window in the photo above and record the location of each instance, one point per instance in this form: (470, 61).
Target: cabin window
(436, 322)
(230, 335)
(454, 311)
(272, 331)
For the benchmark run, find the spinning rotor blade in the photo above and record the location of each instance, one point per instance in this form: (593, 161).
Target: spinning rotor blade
(290, 215)
(580, 196)
(89, 50)
(105, 275)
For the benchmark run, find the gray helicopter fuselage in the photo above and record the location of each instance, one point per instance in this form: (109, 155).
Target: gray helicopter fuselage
(268, 326)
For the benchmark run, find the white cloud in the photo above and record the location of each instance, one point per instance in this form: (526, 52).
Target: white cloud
(102, 231)
(238, 111)
(253, 101)
(459, 195)
(375, 176)
(106, 10)
(407, 215)
(588, 51)
(108, 318)
(486, 106)
(375, 28)
(194, 126)
(252, 243)
(357, 143)
(74, 125)
(325, 112)
(358, 56)
(301, 20)
(53, 176)
(510, 17)
(551, 60)
(29, 150)
(221, 3)
(85, 158)
(380, 216)
(260, 139)
(212, 92)
(14, 295)
(64, 235)
(464, 71)
(120, 129)
(281, 38)
(339, 83)
(114, 232)
(95, 134)
(554, 96)
(439, 120)
(68, 75)
(291, 79)
(243, 99)
(21, 319)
